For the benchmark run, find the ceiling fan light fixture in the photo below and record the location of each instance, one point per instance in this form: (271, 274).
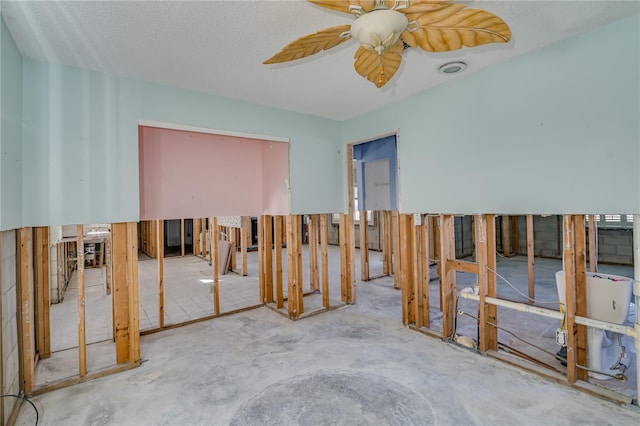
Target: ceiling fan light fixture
(452, 67)
(381, 23)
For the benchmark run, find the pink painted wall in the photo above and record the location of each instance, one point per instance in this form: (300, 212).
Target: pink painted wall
(189, 174)
(275, 178)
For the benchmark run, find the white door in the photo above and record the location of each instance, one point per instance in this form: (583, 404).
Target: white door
(377, 185)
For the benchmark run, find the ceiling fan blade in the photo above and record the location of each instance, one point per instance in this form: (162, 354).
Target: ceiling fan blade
(454, 26)
(343, 5)
(423, 6)
(379, 69)
(311, 44)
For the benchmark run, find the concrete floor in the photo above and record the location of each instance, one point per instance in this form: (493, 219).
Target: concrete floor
(354, 365)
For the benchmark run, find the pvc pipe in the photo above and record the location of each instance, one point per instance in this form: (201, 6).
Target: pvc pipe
(468, 293)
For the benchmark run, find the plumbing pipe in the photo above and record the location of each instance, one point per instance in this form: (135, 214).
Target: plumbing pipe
(636, 294)
(467, 293)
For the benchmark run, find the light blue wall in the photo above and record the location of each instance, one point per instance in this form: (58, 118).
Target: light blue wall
(81, 143)
(554, 131)
(10, 131)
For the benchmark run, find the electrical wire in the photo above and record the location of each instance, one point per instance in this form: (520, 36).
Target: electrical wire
(521, 293)
(24, 398)
(620, 377)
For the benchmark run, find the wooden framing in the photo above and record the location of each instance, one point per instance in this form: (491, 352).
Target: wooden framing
(133, 294)
(181, 237)
(395, 249)
(364, 246)
(406, 270)
(261, 273)
(422, 317)
(214, 237)
(580, 265)
(25, 310)
(491, 311)
(314, 272)
(593, 244)
(347, 258)
(295, 302)
(245, 235)
(82, 336)
(530, 259)
(515, 243)
(160, 258)
(196, 236)
(125, 292)
(570, 296)
(43, 291)
(266, 244)
(506, 236)
(447, 275)
(148, 237)
(278, 222)
(324, 238)
(387, 263)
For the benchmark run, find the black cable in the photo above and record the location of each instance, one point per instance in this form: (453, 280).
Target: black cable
(24, 398)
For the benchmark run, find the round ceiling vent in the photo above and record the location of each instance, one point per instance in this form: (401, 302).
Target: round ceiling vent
(452, 67)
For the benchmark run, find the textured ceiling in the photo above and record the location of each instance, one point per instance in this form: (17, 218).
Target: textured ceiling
(217, 47)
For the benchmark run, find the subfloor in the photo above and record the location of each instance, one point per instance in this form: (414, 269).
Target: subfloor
(353, 365)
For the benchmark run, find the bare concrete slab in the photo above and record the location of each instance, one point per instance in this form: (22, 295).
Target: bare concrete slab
(353, 365)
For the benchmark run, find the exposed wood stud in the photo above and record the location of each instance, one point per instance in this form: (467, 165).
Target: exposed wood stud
(324, 237)
(448, 275)
(216, 266)
(395, 244)
(278, 221)
(480, 232)
(364, 246)
(295, 302)
(160, 259)
(491, 310)
(405, 272)
(120, 278)
(43, 291)
(234, 246)
(423, 314)
(245, 233)
(182, 237)
(133, 293)
(570, 299)
(506, 236)
(581, 292)
(347, 279)
(314, 272)
(593, 244)
(268, 257)
(530, 259)
(25, 310)
(82, 337)
(515, 243)
(386, 243)
(261, 271)
(109, 263)
(196, 236)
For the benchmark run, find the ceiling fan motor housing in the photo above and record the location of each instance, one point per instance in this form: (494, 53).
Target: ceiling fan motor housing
(382, 22)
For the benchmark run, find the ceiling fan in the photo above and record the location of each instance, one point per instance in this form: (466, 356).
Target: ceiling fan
(384, 28)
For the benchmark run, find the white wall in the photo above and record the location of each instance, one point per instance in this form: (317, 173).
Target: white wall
(10, 131)
(554, 131)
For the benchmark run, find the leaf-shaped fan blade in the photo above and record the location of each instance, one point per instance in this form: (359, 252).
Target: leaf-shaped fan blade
(378, 69)
(343, 6)
(422, 6)
(452, 27)
(310, 44)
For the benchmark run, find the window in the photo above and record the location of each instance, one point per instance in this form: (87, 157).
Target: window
(613, 220)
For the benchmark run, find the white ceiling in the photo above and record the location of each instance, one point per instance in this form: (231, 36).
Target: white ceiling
(217, 47)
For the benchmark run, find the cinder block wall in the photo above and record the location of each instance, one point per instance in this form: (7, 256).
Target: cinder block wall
(8, 280)
(615, 245)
